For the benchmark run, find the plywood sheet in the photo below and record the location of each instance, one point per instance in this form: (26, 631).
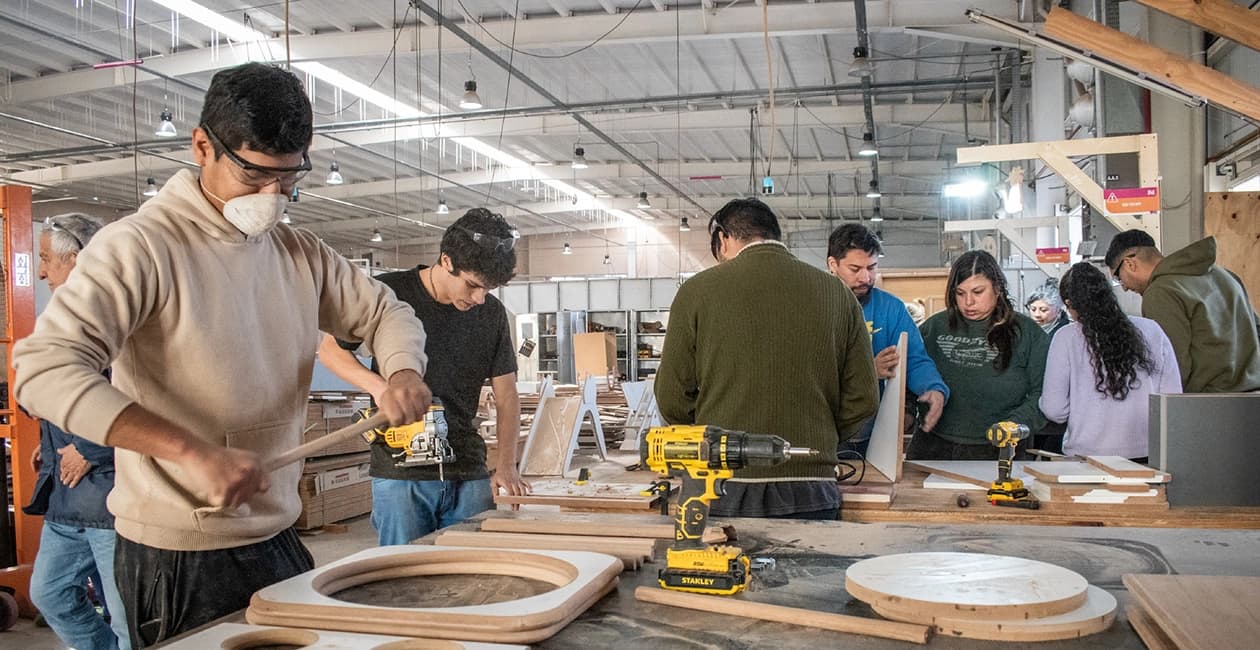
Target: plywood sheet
(1098, 495)
(1080, 472)
(551, 439)
(967, 585)
(1201, 612)
(885, 451)
(1146, 627)
(1095, 615)
(1234, 219)
(1121, 466)
(936, 482)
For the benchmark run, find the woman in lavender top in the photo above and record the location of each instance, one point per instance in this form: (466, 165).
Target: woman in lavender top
(1102, 368)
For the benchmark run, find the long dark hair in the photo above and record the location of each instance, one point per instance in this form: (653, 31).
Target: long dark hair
(1116, 347)
(1003, 322)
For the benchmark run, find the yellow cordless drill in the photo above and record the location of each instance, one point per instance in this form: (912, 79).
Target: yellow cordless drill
(1007, 490)
(704, 457)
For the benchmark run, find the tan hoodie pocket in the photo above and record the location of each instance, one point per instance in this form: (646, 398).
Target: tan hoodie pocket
(266, 513)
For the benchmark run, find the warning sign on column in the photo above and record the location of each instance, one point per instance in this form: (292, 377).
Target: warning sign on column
(22, 269)
(1131, 200)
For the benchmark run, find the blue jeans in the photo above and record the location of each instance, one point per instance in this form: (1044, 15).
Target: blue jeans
(67, 556)
(403, 511)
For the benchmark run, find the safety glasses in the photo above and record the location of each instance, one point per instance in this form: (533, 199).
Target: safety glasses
(490, 241)
(1115, 273)
(259, 175)
(52, 225)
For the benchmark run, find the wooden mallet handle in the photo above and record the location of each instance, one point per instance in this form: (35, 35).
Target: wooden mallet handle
(304, 450)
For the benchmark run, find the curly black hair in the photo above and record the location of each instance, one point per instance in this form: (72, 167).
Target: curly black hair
(1116, 347)
(483, 243)
(1004, 325)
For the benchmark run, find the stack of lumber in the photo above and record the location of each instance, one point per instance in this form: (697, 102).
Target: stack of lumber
(328, 411)
(981, 596)
(630, 539)
(1101, 482)
(334, 489)
(1194, 612)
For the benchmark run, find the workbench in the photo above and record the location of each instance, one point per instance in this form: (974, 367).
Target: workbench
(811, 560)
(912, 503)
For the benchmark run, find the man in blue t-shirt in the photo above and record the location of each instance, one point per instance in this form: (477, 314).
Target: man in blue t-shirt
(853, 253)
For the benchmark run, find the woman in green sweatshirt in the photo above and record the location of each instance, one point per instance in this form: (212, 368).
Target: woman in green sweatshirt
(991, 357)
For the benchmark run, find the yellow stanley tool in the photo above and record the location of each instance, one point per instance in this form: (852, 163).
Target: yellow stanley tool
(703, 457)
(1007, 490)
(420, 443)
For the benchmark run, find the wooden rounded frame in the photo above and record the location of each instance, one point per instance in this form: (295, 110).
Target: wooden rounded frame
(580, 579)
(238, 636)
(1095, 615)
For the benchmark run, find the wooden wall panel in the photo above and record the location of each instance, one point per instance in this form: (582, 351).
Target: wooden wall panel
(1234, 219)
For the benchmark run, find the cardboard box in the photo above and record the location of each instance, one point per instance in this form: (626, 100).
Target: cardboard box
(327, 412)
(334, 489)
(595, 354)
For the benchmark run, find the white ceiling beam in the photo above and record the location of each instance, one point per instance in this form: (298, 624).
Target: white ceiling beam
(641, 27)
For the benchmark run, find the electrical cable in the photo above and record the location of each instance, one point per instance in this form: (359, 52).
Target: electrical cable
(388, 57)
(507, 89)
(765, 30)
(842, 458)
(566, 55)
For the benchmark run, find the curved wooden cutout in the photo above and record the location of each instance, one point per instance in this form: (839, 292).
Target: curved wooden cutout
(238, 636)
(580, 579)
(1094, 616)
(967, 585)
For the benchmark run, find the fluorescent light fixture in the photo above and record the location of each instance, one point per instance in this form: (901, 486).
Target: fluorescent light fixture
(471, 101)
(334, 174)
(579, 158)
(568, 250)
(442, 208)
(166, 128)
(965, 189)
(643, 201)
(1041, 40)
(873, 192)
(868, 146)
(151, 188)
(376, 236)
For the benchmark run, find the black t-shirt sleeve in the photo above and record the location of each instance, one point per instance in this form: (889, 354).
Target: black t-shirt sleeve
(504, 354)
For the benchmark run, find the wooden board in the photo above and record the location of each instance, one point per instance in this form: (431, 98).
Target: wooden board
(1234, 219)
(240, 635)
(592, 496)
(1121, 466)
(1098, 495)
(596, 525)
(936, 482)
(967, 585)
(885, 450)
(1094, 616)
(780, 614)
(1080, 472)
(977, 472)
(1201, 612)
(551, 438)
(1146, 627)
(1222, 17)
(627, 548)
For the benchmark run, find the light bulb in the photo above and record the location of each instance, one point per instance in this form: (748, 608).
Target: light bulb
(643, 201)
(442, 209)
(568, 250)
(166, 128)
(376, 236)
(868, 146)
(151, 188)
(579, 158)
(684, 226)
(471, 101)
(334, 174)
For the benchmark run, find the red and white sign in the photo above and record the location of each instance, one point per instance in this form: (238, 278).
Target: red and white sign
(1061, 255)
(1131, 200)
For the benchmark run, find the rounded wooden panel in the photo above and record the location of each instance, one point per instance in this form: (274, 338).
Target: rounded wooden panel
(966, 585)
(1095, 615)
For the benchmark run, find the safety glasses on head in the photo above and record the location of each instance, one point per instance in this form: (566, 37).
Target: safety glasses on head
(51, 224)
(260, 175)
(491, 241)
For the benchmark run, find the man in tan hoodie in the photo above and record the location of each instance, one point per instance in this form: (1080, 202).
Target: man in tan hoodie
(210, 311)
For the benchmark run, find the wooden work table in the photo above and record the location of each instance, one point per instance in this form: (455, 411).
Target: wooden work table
(912, 503)
(811, 561)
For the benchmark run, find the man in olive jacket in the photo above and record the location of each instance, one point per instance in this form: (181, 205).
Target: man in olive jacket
(765, 343)
(1202, 307)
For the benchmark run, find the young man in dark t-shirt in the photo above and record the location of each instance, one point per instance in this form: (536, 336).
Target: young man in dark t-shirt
(467, 341)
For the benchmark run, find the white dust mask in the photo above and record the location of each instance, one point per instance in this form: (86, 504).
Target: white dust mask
(253, 214)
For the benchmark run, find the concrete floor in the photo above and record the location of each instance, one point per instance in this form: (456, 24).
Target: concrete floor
(324, 546)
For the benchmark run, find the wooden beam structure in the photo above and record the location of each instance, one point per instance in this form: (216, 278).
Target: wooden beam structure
(1221, 17)
(1140, 56)
(1057, 155)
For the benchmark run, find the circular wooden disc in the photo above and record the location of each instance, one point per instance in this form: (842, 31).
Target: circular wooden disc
(1094, 616)
(966, 585)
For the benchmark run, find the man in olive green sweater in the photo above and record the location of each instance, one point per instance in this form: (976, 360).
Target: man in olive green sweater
(765, 343)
